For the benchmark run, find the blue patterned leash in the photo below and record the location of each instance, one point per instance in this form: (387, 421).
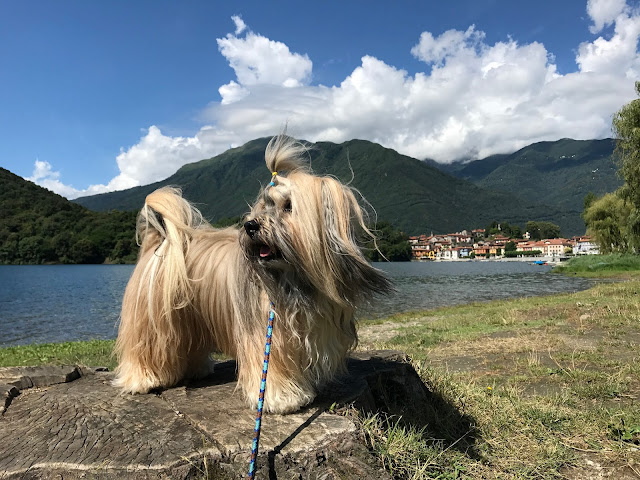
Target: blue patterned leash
(263, 383)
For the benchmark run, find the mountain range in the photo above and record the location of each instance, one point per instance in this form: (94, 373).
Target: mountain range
(546, 181)
(557, 173)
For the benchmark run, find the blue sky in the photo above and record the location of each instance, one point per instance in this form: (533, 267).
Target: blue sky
(97, 96)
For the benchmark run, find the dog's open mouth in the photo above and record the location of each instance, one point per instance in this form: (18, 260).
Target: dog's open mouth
(264, 252)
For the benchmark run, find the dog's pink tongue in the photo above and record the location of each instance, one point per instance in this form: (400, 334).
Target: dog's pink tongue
(265, 251)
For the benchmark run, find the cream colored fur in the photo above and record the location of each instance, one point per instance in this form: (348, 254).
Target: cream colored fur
(197, 289)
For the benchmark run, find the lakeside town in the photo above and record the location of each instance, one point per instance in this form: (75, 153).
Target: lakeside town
(467, 245)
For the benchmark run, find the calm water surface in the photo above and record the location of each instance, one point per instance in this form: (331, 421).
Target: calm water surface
(56, 303)
(425, 285)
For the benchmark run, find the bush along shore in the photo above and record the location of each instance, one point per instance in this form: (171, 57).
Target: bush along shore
(547, 386)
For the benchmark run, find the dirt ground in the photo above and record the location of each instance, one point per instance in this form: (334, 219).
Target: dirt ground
(538, 362)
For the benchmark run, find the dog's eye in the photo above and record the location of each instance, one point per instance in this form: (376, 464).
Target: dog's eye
(287, 206)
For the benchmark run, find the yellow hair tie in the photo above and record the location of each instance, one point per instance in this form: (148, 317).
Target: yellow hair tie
(273, 177)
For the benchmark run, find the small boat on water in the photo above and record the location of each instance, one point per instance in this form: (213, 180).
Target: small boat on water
(539, 262)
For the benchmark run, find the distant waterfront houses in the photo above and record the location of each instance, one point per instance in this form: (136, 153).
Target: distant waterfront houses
(585, 246)
(552, 247)
(462, 245)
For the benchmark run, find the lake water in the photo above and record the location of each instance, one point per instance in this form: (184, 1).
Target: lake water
(426, 285)
(56, 303)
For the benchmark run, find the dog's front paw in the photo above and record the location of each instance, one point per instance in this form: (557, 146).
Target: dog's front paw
(135, 382)
(282, 402)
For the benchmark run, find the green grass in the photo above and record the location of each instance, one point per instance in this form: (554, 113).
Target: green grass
(93, 353)
(597, 265)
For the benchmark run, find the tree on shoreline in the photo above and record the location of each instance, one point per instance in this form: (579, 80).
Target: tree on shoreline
(614, 219)
(626, 127)
(503, 228)
(391, 242)
(37, 226)
(607, 219)
(540, 230)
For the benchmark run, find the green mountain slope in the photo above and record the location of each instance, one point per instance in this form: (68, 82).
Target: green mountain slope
(38, 226)
(407, 192)
(557, 173)
(221, 186)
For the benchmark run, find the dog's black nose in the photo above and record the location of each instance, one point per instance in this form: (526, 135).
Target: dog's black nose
(251, 227)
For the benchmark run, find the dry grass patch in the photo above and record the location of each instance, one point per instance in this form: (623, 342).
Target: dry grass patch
(377, 334)
(552, 384)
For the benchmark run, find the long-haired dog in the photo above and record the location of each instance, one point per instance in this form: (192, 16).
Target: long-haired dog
(197, 289)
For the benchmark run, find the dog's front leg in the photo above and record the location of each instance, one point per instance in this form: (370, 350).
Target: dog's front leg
(288, 388)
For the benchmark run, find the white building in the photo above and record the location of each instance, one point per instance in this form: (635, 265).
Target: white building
(585, 246)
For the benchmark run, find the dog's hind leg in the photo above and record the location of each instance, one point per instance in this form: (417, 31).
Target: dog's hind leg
(156, 331)
(152, 345)
(149, 363)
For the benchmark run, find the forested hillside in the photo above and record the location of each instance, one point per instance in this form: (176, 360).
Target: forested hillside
(37, 226)
(557, 173)
(408, 193)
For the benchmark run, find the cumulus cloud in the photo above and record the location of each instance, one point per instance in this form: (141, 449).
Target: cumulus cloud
(472, 98)
(44, 175)
(604, 12)
(616, 54)
(154, 158)
(257, 60)
(452, 43)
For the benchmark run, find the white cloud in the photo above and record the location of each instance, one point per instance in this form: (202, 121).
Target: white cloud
(232, 92)
(258, 60)
(44, 175)
(240, 25)
(473, 98)
(616, 54)
(452, 43)
(478, 99)
(154, 157)
(604, 12)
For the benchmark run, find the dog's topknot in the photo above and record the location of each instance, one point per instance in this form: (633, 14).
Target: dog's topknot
(285, 154)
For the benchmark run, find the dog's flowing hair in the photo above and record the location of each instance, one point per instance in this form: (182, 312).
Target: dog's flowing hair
(197, 289)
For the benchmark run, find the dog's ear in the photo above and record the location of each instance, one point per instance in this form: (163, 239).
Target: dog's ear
(344, 230)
